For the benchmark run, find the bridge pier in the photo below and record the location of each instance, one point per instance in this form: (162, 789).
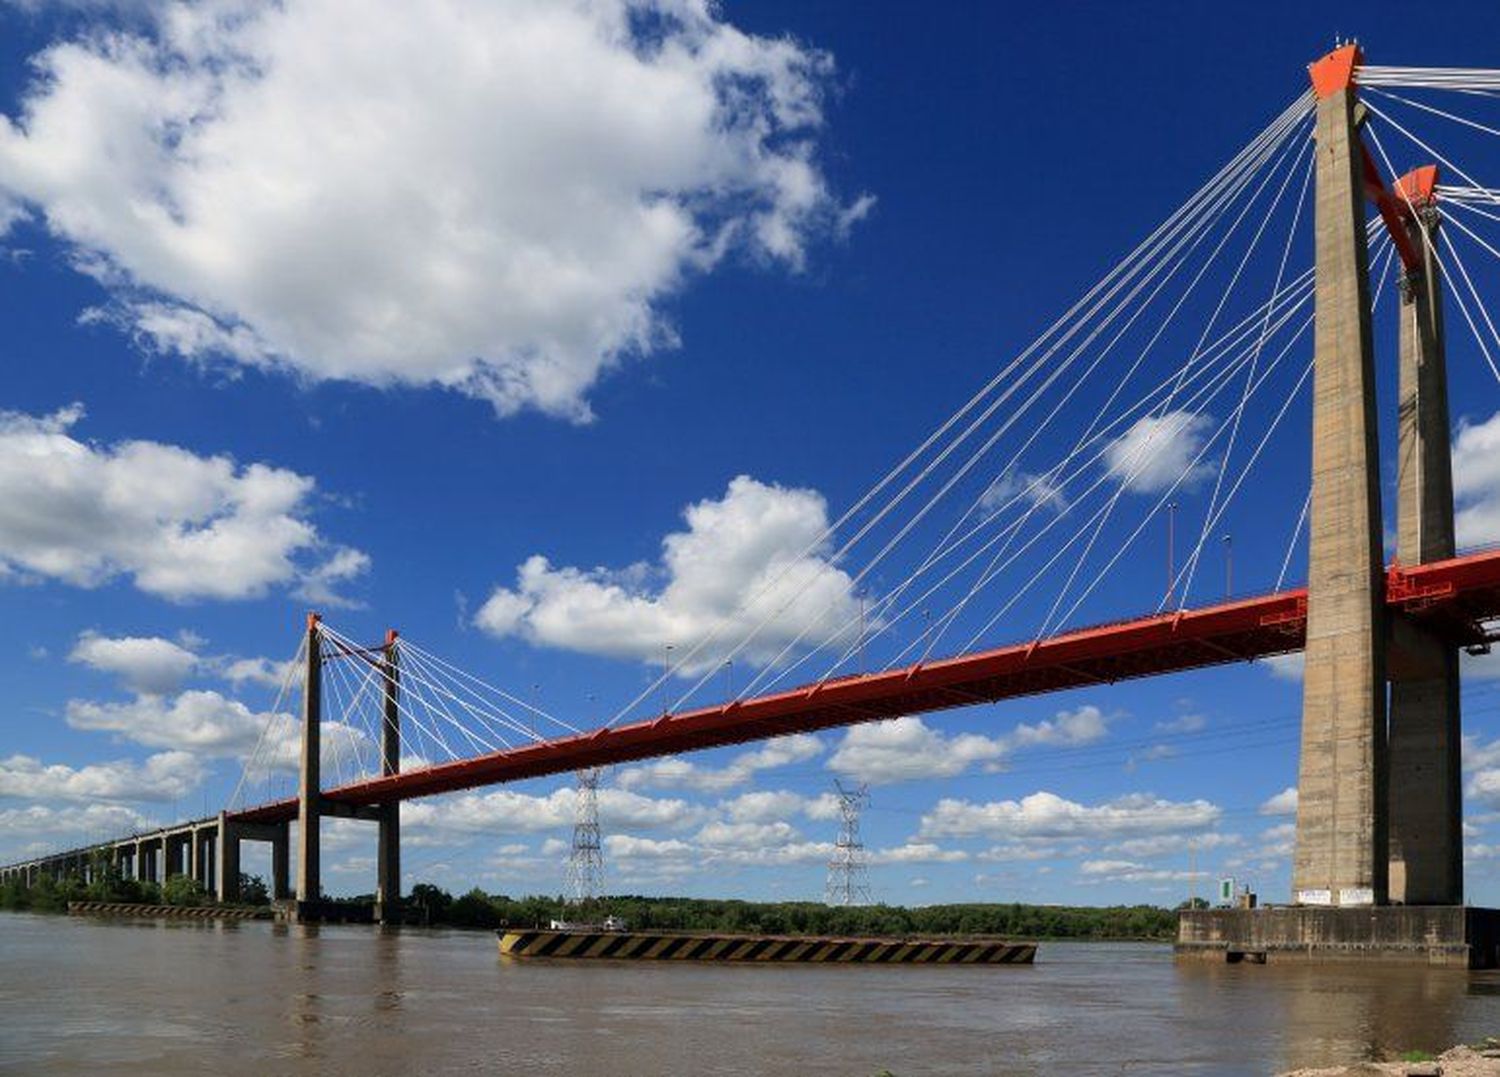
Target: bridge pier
(1426, 813)
(309, 786)
(1341, 853)
(388, 856)
(228, 859)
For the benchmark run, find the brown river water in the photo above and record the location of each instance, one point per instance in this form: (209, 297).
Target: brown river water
(82, 996)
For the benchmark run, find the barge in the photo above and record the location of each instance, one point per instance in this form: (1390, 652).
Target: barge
(602, 944)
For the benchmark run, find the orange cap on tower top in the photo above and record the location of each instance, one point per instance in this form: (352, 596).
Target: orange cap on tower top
(1419, 186)
(1335, 71)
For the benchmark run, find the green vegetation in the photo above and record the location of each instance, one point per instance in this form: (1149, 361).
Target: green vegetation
(49, 895)
(481, 910)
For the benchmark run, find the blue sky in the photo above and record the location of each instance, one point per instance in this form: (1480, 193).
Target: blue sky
(656, 295)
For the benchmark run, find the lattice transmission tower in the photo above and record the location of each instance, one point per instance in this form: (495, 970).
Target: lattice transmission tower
(848, 871)
(585, 880)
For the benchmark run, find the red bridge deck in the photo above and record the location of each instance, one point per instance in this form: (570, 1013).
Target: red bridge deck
(1450, 596)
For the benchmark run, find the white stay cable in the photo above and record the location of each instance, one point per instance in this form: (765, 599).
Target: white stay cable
(1273, 133)
(1437, 112)
(1239, 412)
(276, 716)
(1193, 357)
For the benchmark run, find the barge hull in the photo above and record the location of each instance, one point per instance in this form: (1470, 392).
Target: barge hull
(629, 946)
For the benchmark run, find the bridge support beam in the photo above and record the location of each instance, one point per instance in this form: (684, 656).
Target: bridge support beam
(1426, 815)
(388, 882)
(1341, 855)
(228, 858)
(309, 789)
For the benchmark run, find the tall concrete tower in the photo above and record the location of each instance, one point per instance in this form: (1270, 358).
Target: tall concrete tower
(1341, 856)
(1426, 835)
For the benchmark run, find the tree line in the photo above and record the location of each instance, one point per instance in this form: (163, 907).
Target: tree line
(477, 909)
(433, 905)
(107, 883)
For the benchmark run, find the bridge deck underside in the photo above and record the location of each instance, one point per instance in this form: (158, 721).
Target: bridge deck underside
(1452, 597)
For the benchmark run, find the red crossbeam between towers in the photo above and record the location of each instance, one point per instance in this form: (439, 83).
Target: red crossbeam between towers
(1451, 597)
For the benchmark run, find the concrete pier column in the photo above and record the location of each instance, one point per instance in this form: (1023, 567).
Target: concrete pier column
(309, 790)
(281, 863)
(229, 860)
(195, 856)
(388, 853)
(1341, 856)
(1426, 814)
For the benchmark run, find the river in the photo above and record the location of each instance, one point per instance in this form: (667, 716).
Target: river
(84, 996)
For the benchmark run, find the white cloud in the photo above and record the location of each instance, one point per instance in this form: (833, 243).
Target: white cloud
(1017, 851)
(1286, 667)
(1125, 871)
(260, 671)
(1484, 787)
(770, 805)
(1283, 803)
(505, 811)
(204, 722)
(1046, 815)
(1012, 486)
(322, 584)
(1171, 844)
(67, 827)
(1476, 482)
(502, 211)
(906, 748)
(719, 834)
(164, 776)
(918, 852)
(678, 773)
(1068, 730)
(743, 563)
(182, 526)
(633, 847)
(149, 665)
(1157, 450)
(1187, 723)
(1477, 756)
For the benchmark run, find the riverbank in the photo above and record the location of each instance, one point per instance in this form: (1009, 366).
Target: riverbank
(1463, 1061)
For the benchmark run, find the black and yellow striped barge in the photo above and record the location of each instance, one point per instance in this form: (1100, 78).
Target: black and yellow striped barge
(681, 946)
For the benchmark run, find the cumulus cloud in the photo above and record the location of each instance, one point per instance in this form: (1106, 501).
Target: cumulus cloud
(1484, 787)
(1171, 844)
(1047, 815)
(918, 852)
(754, 559)
(22, 830)
(1157, 450)
(906, 748)
(1068, 730)
(1476, 482)
(1187, 723)
(150, 665)
(1126, 871)
(1283, 803)
(503, 211)
(198, 721)
(180, 525)
(767, 805)
(259, 671)
(505, 811)
(164, 776)
(678, 773)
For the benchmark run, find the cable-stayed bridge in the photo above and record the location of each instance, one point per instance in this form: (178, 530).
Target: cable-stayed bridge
(1172, 409)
